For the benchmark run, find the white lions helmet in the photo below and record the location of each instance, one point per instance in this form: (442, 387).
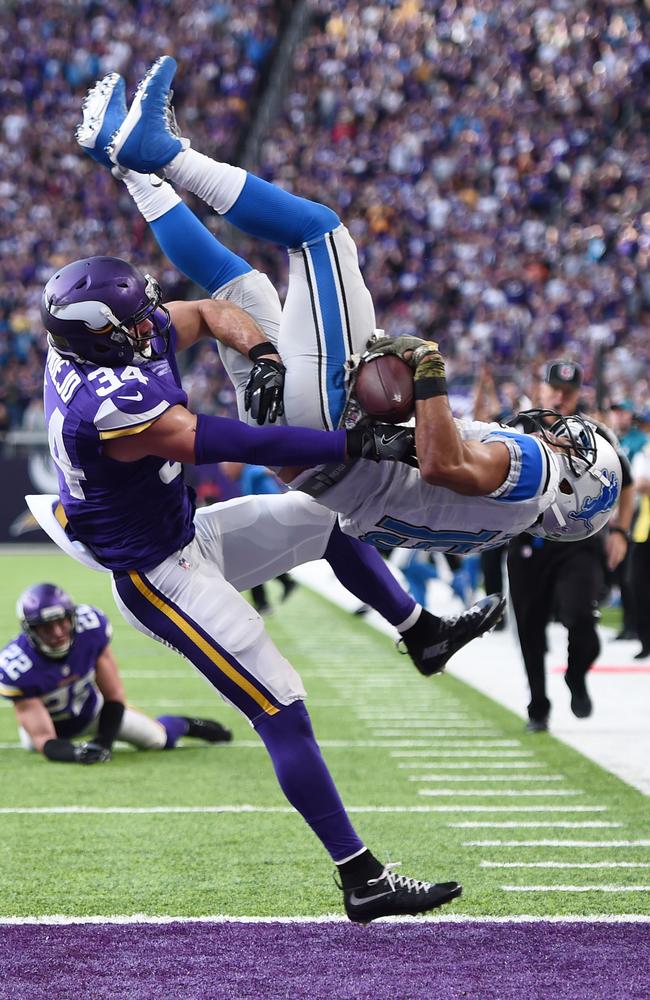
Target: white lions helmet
(589, 485)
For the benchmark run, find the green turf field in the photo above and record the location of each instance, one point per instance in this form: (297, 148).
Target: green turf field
(438, 776)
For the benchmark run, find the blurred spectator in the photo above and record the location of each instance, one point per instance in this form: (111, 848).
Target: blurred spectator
(624, 423)
(54, 204)
(493, 160)
(641, 550)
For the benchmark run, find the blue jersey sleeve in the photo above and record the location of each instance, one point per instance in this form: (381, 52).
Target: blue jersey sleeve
(529, 472)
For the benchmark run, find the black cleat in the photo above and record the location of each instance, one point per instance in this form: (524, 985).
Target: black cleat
(432, 641)
(580, 701)
(208, 730)
(537, 725)
(392, 895)
(288, 586)
(643, 653)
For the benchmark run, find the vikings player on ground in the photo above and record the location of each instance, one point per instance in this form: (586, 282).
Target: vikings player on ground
(478, 484)
(63, 680)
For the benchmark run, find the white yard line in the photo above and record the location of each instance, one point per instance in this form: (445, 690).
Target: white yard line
(546, 808)
(556, 843)
(543, 824)
(500, 793)
(486, 777)
(565, 864)
(491, 748)
(329, 918)
(474, 766)
(575, 888)
(210, 810)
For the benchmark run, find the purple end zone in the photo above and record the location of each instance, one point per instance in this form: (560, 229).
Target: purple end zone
(335, 961)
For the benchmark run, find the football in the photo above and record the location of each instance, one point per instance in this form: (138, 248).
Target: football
(384, 389)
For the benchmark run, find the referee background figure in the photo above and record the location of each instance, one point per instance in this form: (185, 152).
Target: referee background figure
(565, 580)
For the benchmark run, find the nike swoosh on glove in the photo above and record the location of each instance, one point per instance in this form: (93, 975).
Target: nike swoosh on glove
(382, 443)
(264, 390)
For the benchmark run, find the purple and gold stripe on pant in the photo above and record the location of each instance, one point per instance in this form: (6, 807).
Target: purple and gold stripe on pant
(175, 627)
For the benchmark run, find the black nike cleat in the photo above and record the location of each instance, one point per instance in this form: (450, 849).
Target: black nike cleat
(392, 895)
(581, 705)
(432, 641)
(208, 730)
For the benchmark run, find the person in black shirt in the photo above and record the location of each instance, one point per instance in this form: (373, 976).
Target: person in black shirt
(565, 579)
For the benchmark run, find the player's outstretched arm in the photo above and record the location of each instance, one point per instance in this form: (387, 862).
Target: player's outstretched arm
(471, 468)
(181, 436)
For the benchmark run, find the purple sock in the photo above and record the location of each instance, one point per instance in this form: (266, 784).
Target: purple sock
(305, 780)
(175, 727)
(363, 572)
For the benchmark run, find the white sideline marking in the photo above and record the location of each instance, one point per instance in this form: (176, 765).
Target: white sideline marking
(576, 888)
(564, 864)
(560, 824)
(460, 918)
(556, 843)
(501, 793)
(486, 777)
(475, 744)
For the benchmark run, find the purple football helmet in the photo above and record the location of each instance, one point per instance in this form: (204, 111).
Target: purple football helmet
(91, 307)
(41, 604)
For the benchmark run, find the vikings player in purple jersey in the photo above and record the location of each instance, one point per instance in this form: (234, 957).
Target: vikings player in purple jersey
(64, 683)
(119, 430)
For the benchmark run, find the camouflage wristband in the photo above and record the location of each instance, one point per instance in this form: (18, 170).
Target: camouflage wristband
(430, 376)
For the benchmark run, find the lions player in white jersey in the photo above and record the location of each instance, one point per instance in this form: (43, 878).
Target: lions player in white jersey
(477, 484)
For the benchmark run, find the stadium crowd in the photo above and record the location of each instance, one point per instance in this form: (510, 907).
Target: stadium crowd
(54, 203)
(491, 161)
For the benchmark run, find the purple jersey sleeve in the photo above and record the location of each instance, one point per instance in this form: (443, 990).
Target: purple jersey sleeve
(128, 514)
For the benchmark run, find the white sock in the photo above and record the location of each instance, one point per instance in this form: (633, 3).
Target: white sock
(217, 184)
(411, 620)
(153, 196)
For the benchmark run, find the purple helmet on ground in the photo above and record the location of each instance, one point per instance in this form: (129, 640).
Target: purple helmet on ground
(41, 604)
(91, 308)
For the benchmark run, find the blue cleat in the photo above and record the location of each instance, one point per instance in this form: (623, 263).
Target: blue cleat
(147, 139)
(104, 110)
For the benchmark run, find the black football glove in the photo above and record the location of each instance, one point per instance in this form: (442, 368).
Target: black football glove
(382, 443)
(264, 389)
(92, 753)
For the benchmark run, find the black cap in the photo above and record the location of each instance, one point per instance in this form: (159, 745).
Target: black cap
(564, 373)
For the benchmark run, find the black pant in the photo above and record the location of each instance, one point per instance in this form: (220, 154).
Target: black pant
(640, 565)
(555, 579)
